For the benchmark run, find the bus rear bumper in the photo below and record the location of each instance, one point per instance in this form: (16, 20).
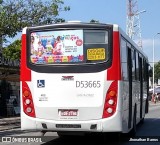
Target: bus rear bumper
(111, 124)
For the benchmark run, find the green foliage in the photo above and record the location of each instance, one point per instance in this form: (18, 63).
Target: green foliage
(157, 71)
(15, 15)
(13, 50)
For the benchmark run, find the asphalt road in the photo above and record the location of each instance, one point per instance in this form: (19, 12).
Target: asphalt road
(149, 130)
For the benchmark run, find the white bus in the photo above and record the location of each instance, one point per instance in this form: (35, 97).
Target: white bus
(82, 77)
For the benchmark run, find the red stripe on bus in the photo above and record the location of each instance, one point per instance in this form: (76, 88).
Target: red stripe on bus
(25, 72)
(114, 72)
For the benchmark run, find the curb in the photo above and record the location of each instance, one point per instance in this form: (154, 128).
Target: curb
(3, 128)
(9, 123)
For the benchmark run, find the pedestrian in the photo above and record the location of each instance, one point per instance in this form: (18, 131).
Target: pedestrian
(154, 98)
(158, 97)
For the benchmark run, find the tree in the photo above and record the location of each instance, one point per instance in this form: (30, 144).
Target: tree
(13, 50)
(15, 15)
(157, 71)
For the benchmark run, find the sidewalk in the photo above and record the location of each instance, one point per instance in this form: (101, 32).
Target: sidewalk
(152, 103)
(9, 123)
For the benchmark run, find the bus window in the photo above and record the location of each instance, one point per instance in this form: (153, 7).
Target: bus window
(68, 46)
(137, 66)
(96, 45)
(124, 59)
(97, 37)
(133, 65)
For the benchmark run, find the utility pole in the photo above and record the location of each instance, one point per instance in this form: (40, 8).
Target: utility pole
(133, 28)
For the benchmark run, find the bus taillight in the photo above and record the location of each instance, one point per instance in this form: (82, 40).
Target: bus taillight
(26, 93)
(28, 106)
(111, 100)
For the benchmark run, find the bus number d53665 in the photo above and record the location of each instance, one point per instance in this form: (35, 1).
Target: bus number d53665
(88, 84)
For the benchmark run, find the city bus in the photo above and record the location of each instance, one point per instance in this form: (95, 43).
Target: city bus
(82, 77)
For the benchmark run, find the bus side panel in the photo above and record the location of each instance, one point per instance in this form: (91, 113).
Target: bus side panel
(125, 101)
(136, 99)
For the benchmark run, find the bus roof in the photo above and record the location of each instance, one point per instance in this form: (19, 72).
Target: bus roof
(72, 23)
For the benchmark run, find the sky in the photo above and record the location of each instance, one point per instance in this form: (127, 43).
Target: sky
(115, 11)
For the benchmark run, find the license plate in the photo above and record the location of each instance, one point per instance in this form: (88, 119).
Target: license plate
(68, 112)
(68, 126)
(96, 54)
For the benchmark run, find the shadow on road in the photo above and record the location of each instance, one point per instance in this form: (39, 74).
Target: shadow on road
(87, 140)
(150, 127)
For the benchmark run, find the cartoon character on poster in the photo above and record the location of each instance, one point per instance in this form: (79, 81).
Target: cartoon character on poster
(34, 59)
(75, 59)
(34, 43)
(50, 59)
(40, 49)
(64, 59)
(41, 60)
(58, 46)
(49, 47)
(80, 57)
(70, 58)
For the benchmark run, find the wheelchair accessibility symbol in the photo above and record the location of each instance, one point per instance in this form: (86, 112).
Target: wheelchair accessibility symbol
(40, 83)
